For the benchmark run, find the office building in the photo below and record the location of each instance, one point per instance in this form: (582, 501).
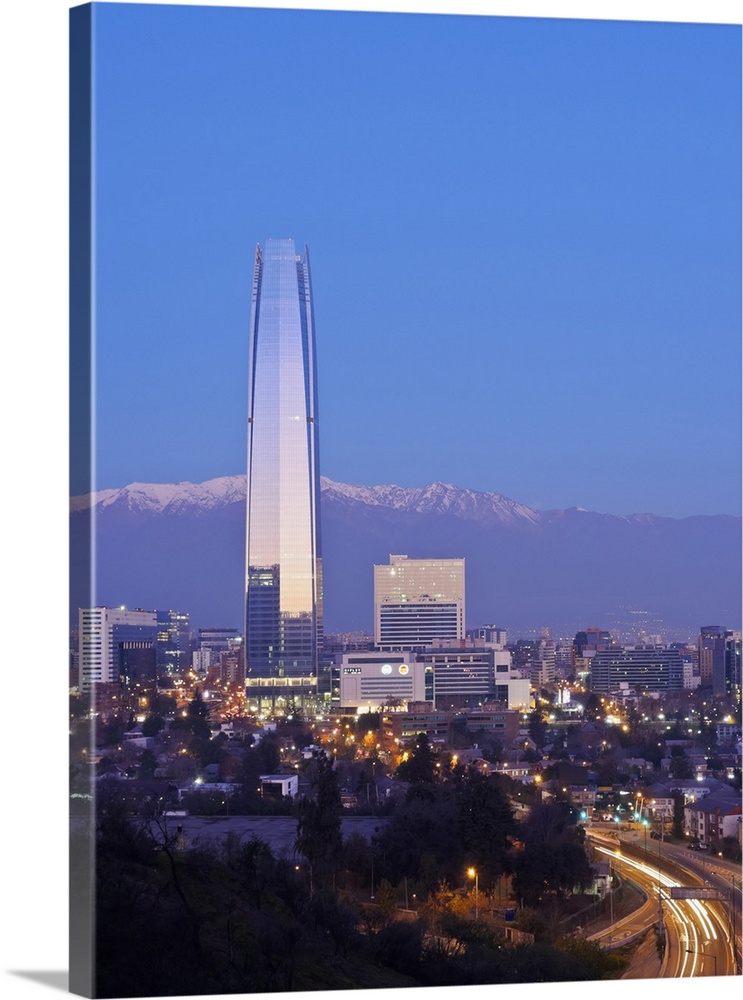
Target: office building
(712, 657)
(732, 666)
(102, 633)
(283, 603)
(638, 668)
(137, 667)
(459, 677)
(719, 660)
(173, 637)
(218, 640)
(368, 681)
(417, 601)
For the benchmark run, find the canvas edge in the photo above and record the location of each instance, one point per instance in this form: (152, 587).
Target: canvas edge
(81, 354)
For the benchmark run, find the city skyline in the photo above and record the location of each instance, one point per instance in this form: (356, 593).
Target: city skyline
(548, 270)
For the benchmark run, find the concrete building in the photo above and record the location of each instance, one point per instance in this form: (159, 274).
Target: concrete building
(417, 601)
(101, 633)
(459, 677)
(279, 786)
(492, 635)
(636, 668)
(713, 817)
(368, 681)
(421, 717)
(494, 719)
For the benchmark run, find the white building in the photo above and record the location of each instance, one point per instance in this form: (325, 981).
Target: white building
(201, 660)
(417, 601)
(369, 680)
(509, 685)
(97, 646)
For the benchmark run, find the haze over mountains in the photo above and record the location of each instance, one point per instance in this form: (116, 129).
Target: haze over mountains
(182, 546)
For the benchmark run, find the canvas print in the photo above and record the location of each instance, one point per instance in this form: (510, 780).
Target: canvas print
(405, 632)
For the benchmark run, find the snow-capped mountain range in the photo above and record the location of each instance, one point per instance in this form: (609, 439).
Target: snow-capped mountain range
(180, 498)
(182, 545)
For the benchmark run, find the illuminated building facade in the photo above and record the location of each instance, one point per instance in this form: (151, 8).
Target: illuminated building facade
(417, 601)
(283, 603)
(173, 636)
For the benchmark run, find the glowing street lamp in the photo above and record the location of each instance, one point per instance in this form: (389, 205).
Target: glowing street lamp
(472, 872)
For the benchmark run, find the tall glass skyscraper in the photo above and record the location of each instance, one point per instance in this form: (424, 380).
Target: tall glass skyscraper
(283, 606)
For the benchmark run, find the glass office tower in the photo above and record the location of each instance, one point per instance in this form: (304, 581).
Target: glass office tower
(283, 606)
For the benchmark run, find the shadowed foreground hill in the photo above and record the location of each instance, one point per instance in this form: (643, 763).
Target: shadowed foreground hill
(236, 919)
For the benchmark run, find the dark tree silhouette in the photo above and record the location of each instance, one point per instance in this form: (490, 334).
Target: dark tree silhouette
(421, 763)
(486, 823)
(319, 823)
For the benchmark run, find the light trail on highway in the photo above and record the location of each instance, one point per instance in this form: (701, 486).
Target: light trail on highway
(702, 946)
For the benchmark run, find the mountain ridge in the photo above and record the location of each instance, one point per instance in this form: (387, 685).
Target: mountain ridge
(182, 545)
(479, 505)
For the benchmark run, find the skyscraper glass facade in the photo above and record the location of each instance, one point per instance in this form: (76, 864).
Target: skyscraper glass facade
(283, 607)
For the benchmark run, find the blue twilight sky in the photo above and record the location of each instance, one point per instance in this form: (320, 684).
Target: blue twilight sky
(524, 238)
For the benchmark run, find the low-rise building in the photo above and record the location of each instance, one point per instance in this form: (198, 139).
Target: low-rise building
(713, 817)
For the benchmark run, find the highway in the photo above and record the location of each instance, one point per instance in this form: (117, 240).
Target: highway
(697, 932)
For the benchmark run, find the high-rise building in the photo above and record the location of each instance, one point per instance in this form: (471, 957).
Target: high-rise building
(173, 635)
(283, 603)
(712, 657)
(585, 646)
(642, 668)
(732, 665)
(417, 601)
(103, 633)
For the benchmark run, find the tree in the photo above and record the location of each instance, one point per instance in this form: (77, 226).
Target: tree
(386, 897)
(555, 869)
(422, 839)
(198, 717)
(147, 764)
(678, 813)
(319, 823)
(553, 860)
(153, 725)
(681, 765)
(197, 707)
(537, 727)
(164, 704)
(269, 754)
(421, 763)
(486, 822)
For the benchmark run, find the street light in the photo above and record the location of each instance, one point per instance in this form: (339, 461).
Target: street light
(473, 874)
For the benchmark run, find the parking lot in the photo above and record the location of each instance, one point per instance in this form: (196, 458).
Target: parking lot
(279, 832)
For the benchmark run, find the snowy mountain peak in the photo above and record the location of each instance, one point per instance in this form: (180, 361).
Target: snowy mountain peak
(434, 498)
(177, 498)
(155, 498)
